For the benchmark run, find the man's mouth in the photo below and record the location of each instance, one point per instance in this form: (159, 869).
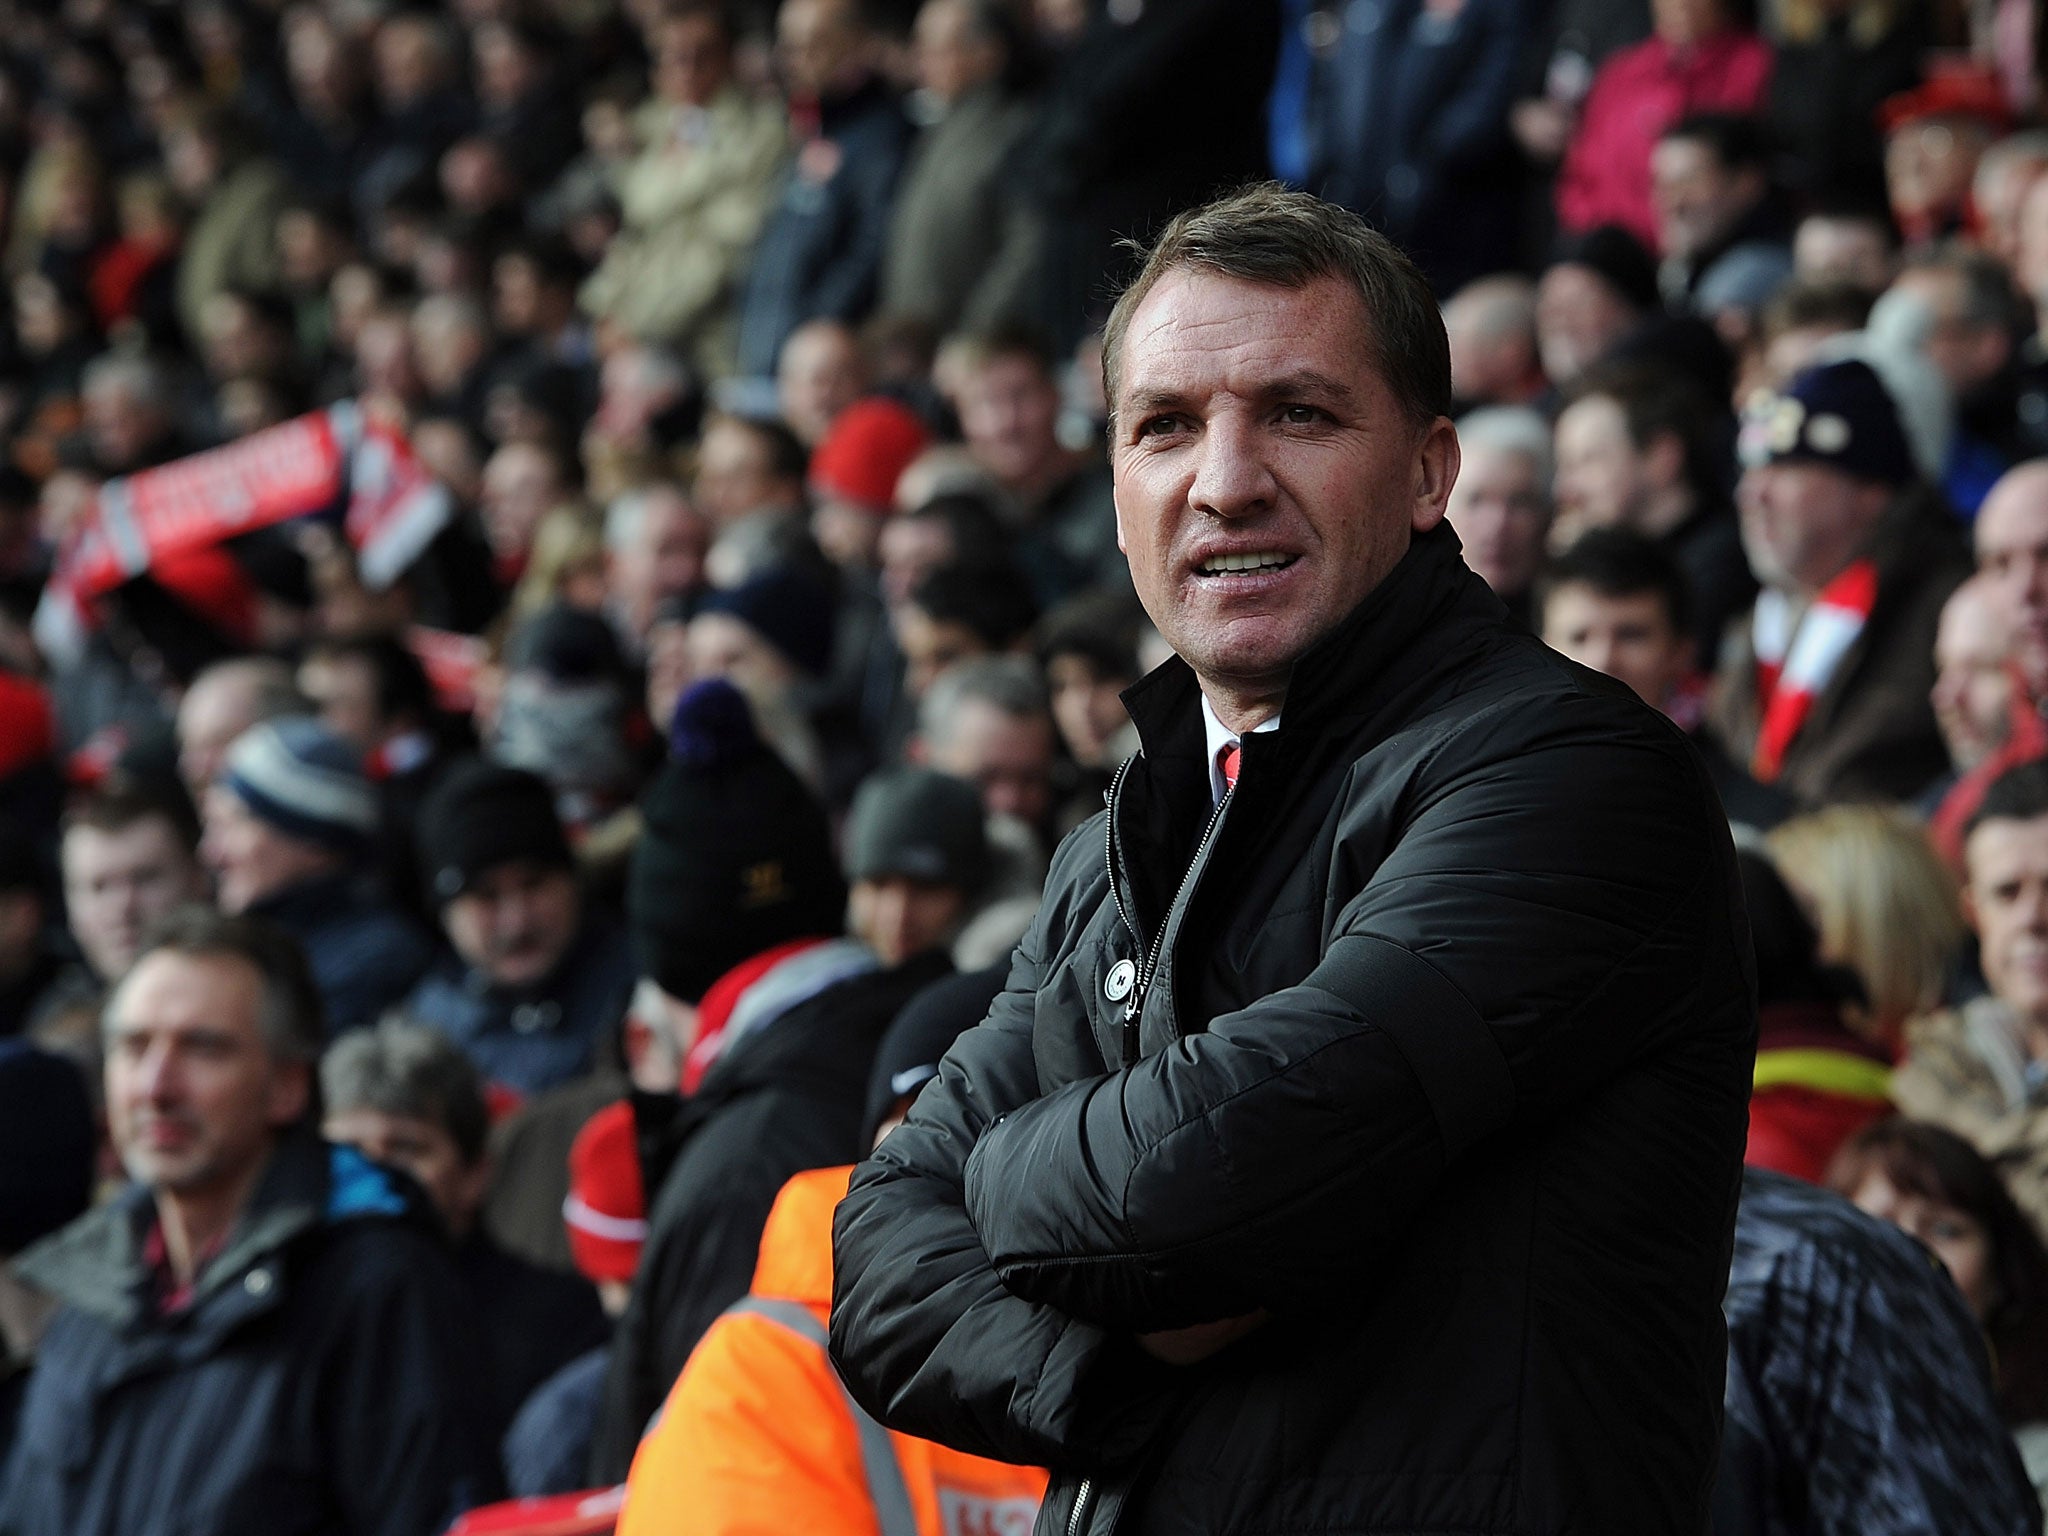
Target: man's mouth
(1250, 561)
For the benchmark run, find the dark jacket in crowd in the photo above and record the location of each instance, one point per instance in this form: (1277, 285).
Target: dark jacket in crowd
(1147, 74)
(1443, 1064)
(1859, 1396)
(1871, 733)
(365, 955)
(533, 1038)
(319, 1381)
(547, 1449)
(820, 255)
(961, 252)
(1826, 90)
(532, 1322)
(788, 1097)
(1407, 122)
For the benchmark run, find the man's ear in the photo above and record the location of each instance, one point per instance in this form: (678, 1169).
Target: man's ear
(1437, 459)
(290, 1093)
(1664, 459)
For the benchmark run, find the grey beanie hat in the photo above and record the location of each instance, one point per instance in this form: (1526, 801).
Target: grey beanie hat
(918, 823)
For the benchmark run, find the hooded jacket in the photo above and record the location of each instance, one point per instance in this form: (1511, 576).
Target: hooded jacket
(1436, 1051)
(784, 1096)
(316, 1384)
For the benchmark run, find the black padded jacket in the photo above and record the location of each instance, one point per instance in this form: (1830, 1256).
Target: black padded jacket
(1433, 1043)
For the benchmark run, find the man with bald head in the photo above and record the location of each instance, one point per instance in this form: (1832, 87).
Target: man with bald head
(2011, 534)
(224, 701)
(1973, 683)
(1491, 323)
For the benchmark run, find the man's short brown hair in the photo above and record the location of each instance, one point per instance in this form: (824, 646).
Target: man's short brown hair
(1266, 233)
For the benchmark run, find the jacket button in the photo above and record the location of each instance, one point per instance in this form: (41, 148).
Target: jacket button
(258, 1282)
(1116, 986)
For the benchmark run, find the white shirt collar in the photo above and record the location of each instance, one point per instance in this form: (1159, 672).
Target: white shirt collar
(1221, 736)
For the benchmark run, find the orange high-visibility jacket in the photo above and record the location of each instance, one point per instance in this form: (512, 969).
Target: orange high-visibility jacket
(758, 1437)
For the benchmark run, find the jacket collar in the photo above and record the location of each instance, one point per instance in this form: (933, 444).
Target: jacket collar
(95, 1264)
(1349, 673)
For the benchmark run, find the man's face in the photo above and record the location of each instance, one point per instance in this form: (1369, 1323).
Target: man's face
(1498, 509)
(2031, 267)
(1579, 319)
(343, 689)
(250, 859)
(515, 922)
(1972, 693)
(117, 884)
(735, 474)
(2012, 557)
(1087, 707)
(195, 1096)
(1698, 199)
(1928, 168)
(930, 645)
(1603, 478)
(2007, 899)
(817, 42)
(1803, 522)
(691, 60)
(666, 560)
(213, 713)
(728, 647)
(951, 60)
(1009, 415)
(819, 374)
(520, 488)
(900, 918)
(1854, 250)
(419, 1147)
(1008, 757)
(1963, 351)
(1629, 638)
(1266, 477)
(910, 549)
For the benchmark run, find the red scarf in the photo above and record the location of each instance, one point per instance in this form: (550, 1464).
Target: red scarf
(1795, 663)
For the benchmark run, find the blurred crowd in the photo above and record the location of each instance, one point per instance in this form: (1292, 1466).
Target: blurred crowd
(589, 518)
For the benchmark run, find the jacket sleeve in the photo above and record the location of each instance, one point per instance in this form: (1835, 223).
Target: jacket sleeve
(1556, 911)
(924, 1333)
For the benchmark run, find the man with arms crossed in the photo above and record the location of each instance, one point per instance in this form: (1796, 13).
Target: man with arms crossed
(1356, 1143)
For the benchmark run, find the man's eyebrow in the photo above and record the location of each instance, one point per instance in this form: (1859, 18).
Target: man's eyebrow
(1306, 383)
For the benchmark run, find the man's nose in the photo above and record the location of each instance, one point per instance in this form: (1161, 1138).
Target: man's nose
(1232, 475)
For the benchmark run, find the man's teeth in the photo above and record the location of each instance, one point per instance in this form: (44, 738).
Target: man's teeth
(1259, 560)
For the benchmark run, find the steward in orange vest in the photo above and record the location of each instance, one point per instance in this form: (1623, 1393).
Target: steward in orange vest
(758, 1435)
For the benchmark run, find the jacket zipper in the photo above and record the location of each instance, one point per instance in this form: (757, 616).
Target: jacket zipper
(1080, 1510)
(1149, 967)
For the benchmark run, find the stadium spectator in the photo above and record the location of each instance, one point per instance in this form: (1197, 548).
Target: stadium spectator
(289, 827)
(1826, 693)
(531, 984)
(1500, 505)
(154, 1389)
(407, 1097)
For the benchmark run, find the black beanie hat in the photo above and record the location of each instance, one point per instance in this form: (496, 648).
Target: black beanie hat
(734, 855)
(481, 815)
(924, 1031)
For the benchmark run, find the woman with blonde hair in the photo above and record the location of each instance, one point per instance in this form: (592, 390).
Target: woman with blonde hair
(1885, 906)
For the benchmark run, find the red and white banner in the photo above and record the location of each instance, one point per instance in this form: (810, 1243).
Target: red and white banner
(336, 460)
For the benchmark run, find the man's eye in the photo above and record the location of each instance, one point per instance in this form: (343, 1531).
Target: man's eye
(1300, 415)
(1159, 426)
